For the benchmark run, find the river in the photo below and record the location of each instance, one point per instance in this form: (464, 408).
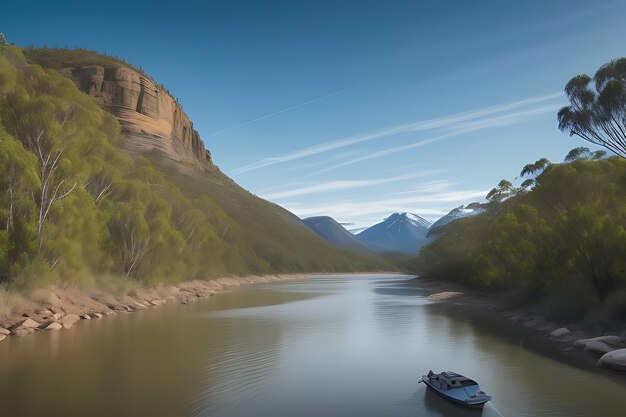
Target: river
(341, 345)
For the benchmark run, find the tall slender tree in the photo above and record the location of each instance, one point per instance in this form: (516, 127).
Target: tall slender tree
(535, 168)
(598, 116)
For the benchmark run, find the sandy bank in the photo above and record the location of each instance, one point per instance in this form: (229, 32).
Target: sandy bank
(590, 347)
(56, 308)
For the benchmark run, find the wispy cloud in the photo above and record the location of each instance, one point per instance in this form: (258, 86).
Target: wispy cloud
(437, 123)
(325, 161)
(457, 129)
(430, 186)
(425, 204)
(347, 184)
(276, 113)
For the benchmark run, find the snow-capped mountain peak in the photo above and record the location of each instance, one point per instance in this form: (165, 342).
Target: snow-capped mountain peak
(400, 232)
(396, 219)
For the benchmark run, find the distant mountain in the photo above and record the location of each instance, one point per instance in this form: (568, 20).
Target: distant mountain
(457, 213)
(401, 233)
(333, 232)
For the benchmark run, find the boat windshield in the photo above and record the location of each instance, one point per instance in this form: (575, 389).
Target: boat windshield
(461, 382)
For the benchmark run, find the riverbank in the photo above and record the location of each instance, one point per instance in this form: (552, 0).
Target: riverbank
(57, 308)
(580, 344)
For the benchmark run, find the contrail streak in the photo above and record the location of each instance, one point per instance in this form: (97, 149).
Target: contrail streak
(283, 110)
(424, 125)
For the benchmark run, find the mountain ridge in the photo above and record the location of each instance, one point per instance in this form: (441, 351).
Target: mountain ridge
(400, 232)
(333, 232)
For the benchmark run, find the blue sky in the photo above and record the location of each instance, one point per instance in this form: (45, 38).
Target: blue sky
(354, 109)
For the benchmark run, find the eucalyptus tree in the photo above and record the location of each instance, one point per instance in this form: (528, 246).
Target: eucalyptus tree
(598, 155)
(528, 183)
(598, 116)
(535, 168)
(584, 153)
(503, 190)
(577, 153)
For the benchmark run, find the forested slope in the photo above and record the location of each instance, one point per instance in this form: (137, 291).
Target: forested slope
(561, 245)
(75, 207)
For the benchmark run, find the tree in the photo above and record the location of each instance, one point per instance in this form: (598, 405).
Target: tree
(583, 153)
(49, 152)
(503, 190)
(535, 168)
(598, 116)
(528, 183)
(598, 155)
(3, 39)
(577, 153)
(131, 235)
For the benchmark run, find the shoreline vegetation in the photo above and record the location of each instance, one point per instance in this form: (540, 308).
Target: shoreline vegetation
(577, 344)
(57, 308)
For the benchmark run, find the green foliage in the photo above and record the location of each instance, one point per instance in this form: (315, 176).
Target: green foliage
(583, 153)
(562, 243)
(598, 116)
(577, 153)
(59, 58)
(504, 189)
(535, 168)
(76, 208)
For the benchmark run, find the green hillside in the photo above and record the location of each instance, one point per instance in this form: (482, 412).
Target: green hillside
(559, 246)
(77, 208)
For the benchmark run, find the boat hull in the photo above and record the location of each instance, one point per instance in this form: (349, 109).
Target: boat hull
(478, 405)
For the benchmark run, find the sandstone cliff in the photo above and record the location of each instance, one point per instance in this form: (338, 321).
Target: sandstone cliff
(151, 119)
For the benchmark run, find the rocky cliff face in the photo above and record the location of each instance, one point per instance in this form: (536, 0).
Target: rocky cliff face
(150, 117)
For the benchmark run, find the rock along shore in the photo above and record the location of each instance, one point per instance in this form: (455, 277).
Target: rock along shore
(56, 308)
(575, 343)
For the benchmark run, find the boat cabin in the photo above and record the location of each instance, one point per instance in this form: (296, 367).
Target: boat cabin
(449, 380)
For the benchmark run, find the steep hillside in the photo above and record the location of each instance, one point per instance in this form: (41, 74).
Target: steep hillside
(328, 228)
(111, 180)
(402, 233)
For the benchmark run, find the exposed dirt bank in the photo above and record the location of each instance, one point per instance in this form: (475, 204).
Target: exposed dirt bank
(590, 347)
(57, 308)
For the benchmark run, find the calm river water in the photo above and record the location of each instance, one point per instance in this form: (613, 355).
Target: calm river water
(343, 345)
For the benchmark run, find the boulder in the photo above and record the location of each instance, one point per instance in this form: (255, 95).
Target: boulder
(44, 313)
(96, 315)
(563, 331)
(600, 345)
(4, 331)
(23, 331)
(615, 360)
(85, 317)
(52, 326)
(2, 337)
(27, 323)
(444, 295)
(69, 320)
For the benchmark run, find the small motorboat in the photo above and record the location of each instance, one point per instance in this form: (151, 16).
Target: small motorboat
(456, 388)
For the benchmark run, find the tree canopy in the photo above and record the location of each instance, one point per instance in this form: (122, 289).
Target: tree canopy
(598, 114)
(560, 245)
